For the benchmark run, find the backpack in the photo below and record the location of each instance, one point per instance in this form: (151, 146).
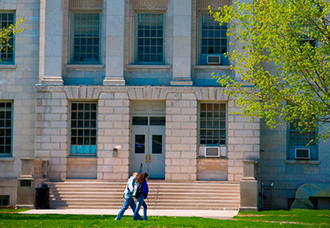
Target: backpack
(137, 191)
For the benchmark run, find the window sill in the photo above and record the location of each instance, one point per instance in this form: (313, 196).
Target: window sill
(309, 162)
(8, 66)
(7, 159)
(148, 67)
(212, 158)
(83, 156)
(84, 66)
(211, 67)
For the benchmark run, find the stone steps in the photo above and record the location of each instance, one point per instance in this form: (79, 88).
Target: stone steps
(77, 194)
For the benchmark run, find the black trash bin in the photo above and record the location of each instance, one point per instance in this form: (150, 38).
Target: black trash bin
(42, 196)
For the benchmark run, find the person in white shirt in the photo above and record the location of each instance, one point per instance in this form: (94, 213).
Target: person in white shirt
(127, 196)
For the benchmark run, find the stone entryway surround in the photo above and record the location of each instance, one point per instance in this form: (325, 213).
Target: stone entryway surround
(52, 139)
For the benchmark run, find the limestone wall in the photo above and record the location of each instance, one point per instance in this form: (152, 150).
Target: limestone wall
(114, 129)
(17, 83)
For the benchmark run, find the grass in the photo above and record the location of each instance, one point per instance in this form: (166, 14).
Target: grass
(291, 218)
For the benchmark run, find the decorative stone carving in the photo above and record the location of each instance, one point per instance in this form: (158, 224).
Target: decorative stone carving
(86, 4)
(150, 4)
(215, 4)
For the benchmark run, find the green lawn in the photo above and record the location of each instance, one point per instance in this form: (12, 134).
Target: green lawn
(292, 218)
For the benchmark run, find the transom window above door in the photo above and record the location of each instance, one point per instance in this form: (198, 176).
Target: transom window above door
(145, 120)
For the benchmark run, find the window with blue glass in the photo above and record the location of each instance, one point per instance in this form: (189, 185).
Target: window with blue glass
(86, 38)
(149, 38)
(213, 42)
(5, 128)
(83, 128)
(302, 144)
(212, 124)
(7, 51)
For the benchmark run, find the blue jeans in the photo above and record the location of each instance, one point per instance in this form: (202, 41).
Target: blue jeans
(140, 202)
(129, 201)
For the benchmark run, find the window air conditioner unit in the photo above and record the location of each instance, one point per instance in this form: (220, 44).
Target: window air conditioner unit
(213, 59)
(210, 151)
(302, 153)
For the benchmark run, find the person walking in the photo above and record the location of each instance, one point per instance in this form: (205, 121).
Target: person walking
(127, 196)
(142, 180)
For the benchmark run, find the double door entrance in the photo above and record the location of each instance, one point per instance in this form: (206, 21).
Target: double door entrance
(147, 152)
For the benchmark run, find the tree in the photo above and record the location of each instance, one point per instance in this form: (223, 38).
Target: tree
(282, 54)
(6, 34)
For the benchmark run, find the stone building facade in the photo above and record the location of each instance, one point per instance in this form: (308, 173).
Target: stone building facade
(101, 88)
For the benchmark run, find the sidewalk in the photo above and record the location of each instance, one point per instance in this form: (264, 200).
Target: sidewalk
(217, 214)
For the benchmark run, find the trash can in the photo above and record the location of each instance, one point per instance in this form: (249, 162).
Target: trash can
(42, 196)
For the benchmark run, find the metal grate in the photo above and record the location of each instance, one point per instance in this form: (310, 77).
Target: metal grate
(25, 183)
(4, 200)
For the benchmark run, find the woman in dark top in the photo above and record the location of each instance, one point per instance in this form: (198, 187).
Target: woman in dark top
(142, 179)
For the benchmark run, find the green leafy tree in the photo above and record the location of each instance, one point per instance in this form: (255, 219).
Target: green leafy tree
(281, 53)
(6, 34)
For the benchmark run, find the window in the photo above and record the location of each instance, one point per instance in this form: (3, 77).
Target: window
(5, 128)
(311, 41)
(86, 38)
(4, 200)
(212, 124)
(83, 128)
(7, 53)
(300, 144)
(149, 38)
(213, 39)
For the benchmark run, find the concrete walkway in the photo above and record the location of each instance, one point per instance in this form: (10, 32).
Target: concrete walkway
(218, 214)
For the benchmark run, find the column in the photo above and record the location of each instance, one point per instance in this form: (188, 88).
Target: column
(182, 13)
(115, 31)
(51, 42)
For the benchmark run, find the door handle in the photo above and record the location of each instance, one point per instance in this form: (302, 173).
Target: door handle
(149, 158)
(146, 158)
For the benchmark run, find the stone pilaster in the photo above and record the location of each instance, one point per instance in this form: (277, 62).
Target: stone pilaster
(51, 131)
(113, 132)
(181, 136)
(243, 142)
(182, 16)
(51, 42)
(115, 31)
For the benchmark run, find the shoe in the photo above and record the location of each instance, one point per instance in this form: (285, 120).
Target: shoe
(117, 218)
